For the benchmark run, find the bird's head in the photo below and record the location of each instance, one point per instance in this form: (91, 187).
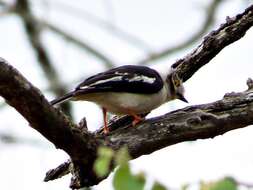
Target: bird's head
(175, 87)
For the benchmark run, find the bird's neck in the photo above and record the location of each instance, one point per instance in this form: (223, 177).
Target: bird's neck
(170, 91)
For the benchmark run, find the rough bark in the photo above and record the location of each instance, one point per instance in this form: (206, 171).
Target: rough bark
(232, 30)
(234, 111)
(194, 122)
(47, 120)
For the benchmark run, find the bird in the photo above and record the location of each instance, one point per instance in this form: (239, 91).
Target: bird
(127, 90)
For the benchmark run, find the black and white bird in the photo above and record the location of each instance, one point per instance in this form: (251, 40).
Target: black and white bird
(127, 90)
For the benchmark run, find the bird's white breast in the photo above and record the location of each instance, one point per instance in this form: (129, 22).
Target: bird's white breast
(126, 103)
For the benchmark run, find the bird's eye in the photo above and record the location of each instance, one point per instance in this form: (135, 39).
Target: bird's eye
(176, 83)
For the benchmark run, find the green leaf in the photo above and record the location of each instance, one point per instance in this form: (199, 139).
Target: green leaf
(122, 156)
(101, 167)
(124, 180)
(158, 186)
(105, 152)
(102, 163)
(185, 187)
(227, 183)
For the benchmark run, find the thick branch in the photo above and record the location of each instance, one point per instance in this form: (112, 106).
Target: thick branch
(209, 20)
(234, 29)
(234, 111)
(203, 121)
(47, 120)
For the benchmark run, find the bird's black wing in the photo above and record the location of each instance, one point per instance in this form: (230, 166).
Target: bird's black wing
(128, 78)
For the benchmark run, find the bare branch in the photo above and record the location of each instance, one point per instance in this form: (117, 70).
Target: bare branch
(9, 138)
(80, 43)
(113, 29)
(29, 102)
(6, 8)
(209, 20)
(202, 121)
(49, 121)
(33, 31)
(229, 32)
(58, 172)
(3, 3)
(234, 111)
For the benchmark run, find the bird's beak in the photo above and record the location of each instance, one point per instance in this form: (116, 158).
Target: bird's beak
(181, 97)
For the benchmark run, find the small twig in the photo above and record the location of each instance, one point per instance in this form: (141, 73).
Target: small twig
(3, 3)
(250, 83)
(83, 125)
(22, 8)
(6, 8)
(9, 138)
(232, 30)
(58, 172)
(113, 29)
(209, 20)
(80, 43)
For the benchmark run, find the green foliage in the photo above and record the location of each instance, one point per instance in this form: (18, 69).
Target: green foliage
(158, 186)
(102, 163)
(123, 178)
(226, 183)
(184, 186)
(122, 156)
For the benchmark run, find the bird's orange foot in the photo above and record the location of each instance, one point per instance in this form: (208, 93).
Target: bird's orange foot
(137, 119)
(106, 129)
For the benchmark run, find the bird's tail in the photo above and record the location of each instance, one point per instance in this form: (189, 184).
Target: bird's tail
(62, 99)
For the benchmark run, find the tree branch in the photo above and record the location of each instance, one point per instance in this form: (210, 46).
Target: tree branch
(84, 45)
(209, 20)
(229, 32)
(32, 28)
(139, 142)
(194, 122)
(103, 24)
(234, 111)
(47, 120)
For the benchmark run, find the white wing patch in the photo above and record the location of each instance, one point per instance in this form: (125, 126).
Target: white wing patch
(117, 78)
(143, 78)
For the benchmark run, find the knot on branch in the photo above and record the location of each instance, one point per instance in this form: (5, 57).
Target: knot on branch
(58, 172)
(199, 117)
(235, 94)
(231, 94)
(82, 125)
(250, 84)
